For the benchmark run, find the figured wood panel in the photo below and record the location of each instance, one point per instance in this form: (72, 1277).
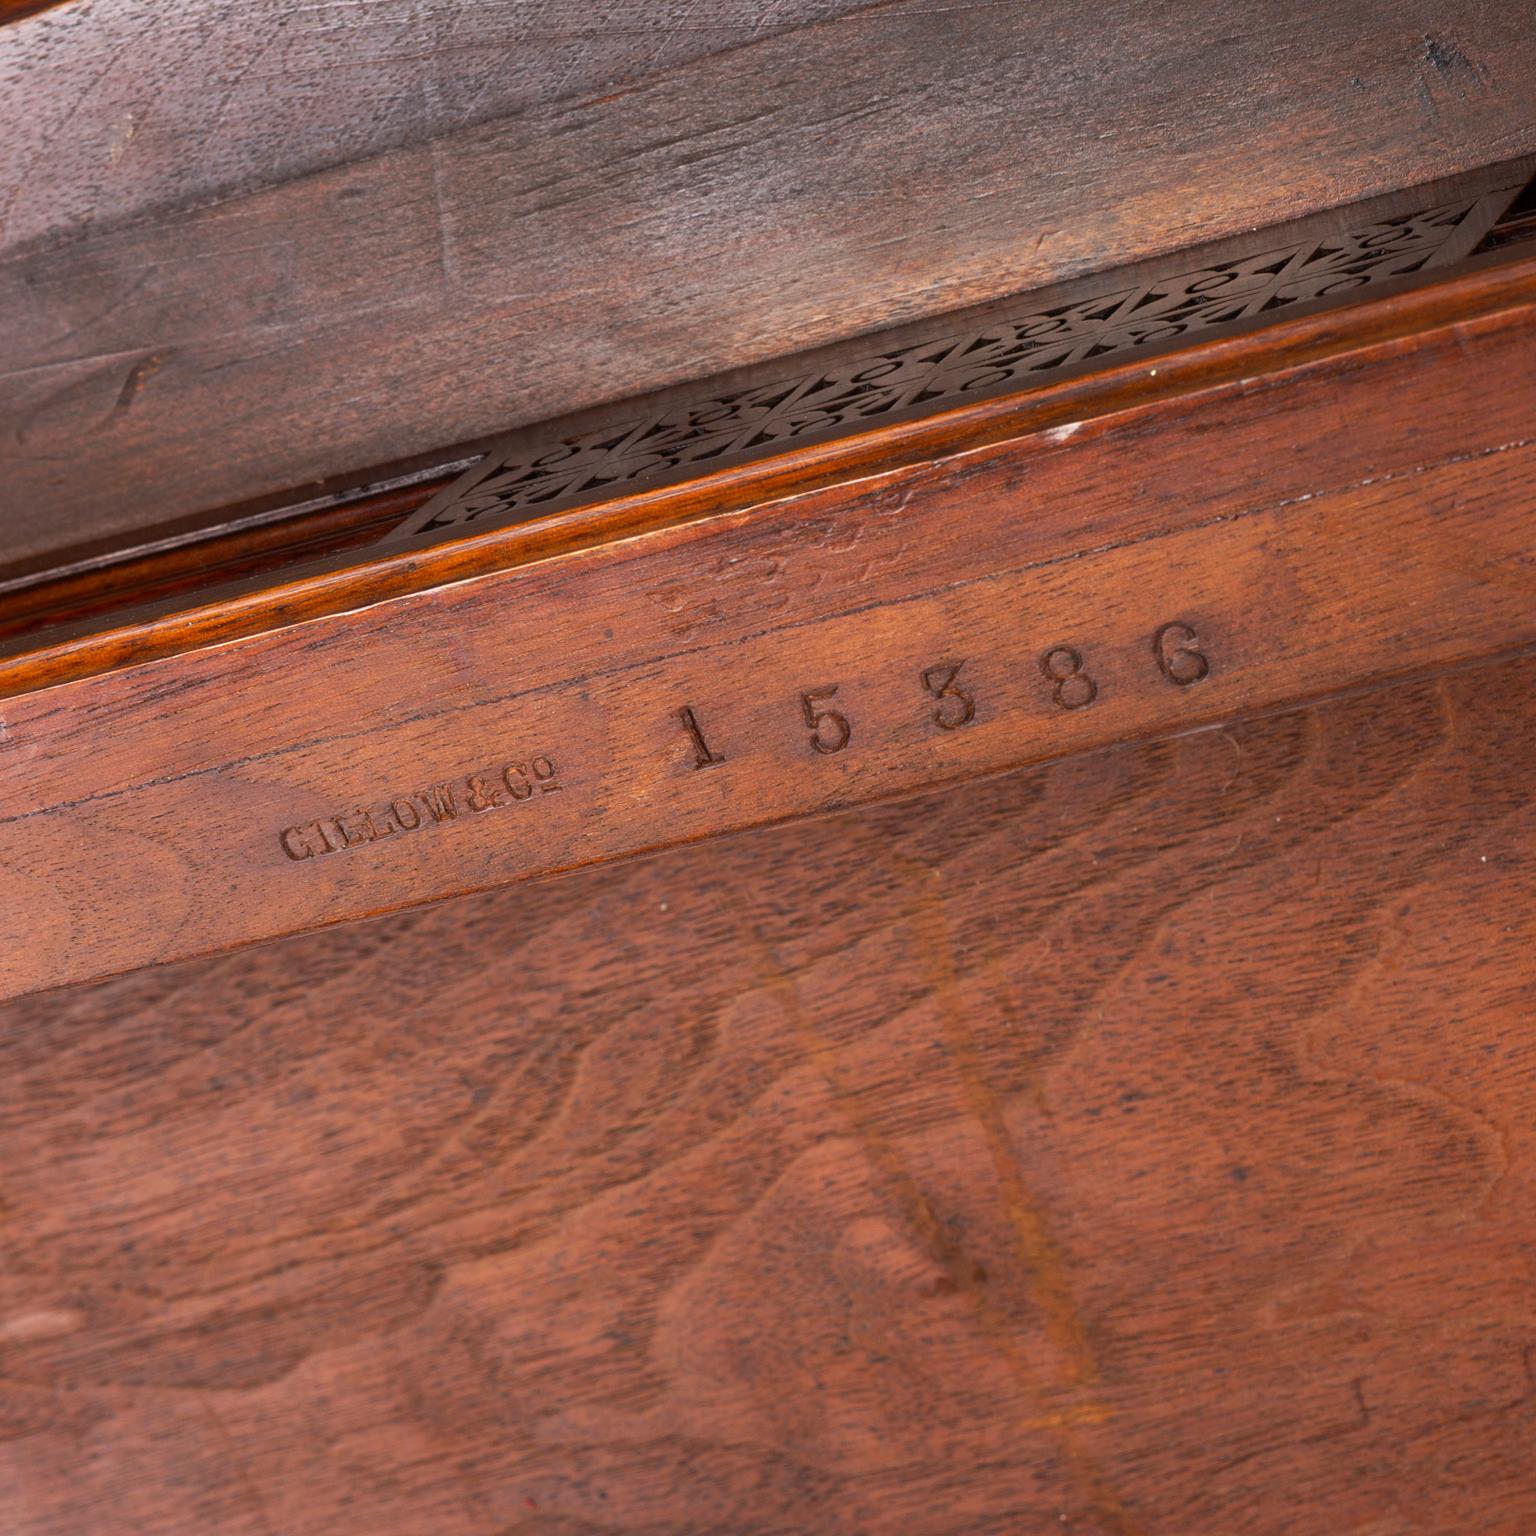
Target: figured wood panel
(1152, 569)
(117, 111)
(1137, 1145)
(888, 162)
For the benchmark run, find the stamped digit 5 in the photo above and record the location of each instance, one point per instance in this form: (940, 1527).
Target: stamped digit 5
(830, 731)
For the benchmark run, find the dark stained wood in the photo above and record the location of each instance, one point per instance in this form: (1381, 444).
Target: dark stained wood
(348, 552)
(1160, 564)
(1411, 244)
(192, 572)
(898, 160)
(15, 10)
(116, 112)
(1140, 1145)
(97, 595)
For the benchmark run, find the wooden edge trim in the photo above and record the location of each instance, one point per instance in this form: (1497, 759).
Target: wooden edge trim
(1300, 516)
(183, 572)
(19, 10)
(268, 596)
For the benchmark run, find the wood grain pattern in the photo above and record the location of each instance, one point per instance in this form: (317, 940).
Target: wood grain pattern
(1063, 1062)
(898, 160)
(115, 613)
(120, 112)
(15, 10)
(1138, 1145)
(245, 790)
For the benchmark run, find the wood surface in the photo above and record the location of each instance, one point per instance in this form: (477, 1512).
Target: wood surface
(974, 980)
(15, 10)
(249, 247)
(124, 111)
(1137, 1145)
(706, 444)
(997, 592)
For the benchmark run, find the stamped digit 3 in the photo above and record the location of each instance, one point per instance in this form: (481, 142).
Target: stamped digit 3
(957, 705)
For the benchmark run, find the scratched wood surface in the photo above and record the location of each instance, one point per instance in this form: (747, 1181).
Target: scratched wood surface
(123, 111)
(1137, 1145)
(250, 246)
(1160, 567)
(981, 602)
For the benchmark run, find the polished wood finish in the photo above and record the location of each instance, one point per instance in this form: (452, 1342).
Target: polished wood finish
(104, 594)
(241, 257)
(15, 10)
(970, 978)
(1217, 550)
(1136, 1145)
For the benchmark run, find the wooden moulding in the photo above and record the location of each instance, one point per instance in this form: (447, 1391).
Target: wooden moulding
(1318, 506)
(241, 562)
(17, 10)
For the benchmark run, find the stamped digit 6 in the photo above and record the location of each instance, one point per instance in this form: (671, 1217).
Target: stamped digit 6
(1177, 659)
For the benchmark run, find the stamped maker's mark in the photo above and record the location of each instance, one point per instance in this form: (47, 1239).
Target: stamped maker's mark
(950, 695)
(473, 794)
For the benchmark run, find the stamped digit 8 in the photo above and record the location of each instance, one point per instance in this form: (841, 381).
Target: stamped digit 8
(1073, 689)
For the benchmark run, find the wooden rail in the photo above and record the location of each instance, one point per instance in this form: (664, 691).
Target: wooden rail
(1252, 523)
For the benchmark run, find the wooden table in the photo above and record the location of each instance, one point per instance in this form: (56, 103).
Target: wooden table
(925, 932)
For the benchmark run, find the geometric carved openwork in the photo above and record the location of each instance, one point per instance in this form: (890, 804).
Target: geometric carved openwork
(1103, 320)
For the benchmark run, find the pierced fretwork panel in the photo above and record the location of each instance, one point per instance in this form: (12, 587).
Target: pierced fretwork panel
(1006, 354)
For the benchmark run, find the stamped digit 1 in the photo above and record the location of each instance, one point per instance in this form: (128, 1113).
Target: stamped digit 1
(703, 757)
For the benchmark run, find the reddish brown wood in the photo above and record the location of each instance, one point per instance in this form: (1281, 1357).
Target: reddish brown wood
(1133, 1145)
(15, 10)
(1137, 1145)
(301, 252)
(299, 776)
(101, 594)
